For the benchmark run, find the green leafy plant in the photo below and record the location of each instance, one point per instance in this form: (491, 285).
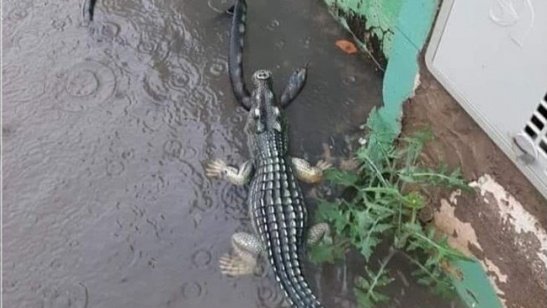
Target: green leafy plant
(381, 203)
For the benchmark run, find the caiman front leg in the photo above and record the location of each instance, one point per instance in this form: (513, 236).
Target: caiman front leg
(237, 176)
(307, 173)
(244, 259)
(296, 83)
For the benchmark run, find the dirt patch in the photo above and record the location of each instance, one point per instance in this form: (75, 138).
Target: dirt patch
(459, 142)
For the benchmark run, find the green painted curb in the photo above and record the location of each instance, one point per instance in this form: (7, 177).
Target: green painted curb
(475, 288)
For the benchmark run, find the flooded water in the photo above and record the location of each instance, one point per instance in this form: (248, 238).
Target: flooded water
(106, 126)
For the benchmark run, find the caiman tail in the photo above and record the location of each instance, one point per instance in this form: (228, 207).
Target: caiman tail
(235, 57)
(288, 273)
(279, 212)
(275, 201)
(89, 9)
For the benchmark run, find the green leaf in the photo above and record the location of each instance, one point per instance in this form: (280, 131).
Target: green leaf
(362, 220)
(322, 253)
(381, 228)
(440, 177)
(379, 297)
(339, 177)
(363, 298)
(327, 210)
(379, 208)
(366, 248)
(414, 200)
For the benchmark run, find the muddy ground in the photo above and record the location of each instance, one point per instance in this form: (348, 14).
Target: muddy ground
(512, 255)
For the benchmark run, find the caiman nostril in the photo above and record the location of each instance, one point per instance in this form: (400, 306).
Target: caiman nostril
(263, 75)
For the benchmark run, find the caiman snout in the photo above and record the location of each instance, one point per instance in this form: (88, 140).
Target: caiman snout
(262, 78)
(262, 75)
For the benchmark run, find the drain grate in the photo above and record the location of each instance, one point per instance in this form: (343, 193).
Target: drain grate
(536, 128)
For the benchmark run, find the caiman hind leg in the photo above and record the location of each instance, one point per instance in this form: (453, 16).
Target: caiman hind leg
(237, 176)
(243, 261)
(318, 232)
(306, 172)
(296, 83)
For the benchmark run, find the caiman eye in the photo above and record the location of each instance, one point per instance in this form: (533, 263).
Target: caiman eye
(256, 113)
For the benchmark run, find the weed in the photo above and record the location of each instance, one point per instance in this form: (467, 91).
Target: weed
(381, 204)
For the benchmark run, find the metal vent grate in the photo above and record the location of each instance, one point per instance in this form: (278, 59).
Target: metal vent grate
(536, 128)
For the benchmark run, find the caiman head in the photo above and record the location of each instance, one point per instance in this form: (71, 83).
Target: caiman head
(265, 122)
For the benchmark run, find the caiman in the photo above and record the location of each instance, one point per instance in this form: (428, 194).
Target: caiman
(275, 200)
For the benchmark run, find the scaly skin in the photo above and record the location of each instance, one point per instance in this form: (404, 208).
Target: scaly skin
(275, 202)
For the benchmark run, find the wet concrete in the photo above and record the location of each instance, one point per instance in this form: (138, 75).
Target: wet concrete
(105, 128)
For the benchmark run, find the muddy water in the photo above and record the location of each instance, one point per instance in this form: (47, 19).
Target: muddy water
(106, 126)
